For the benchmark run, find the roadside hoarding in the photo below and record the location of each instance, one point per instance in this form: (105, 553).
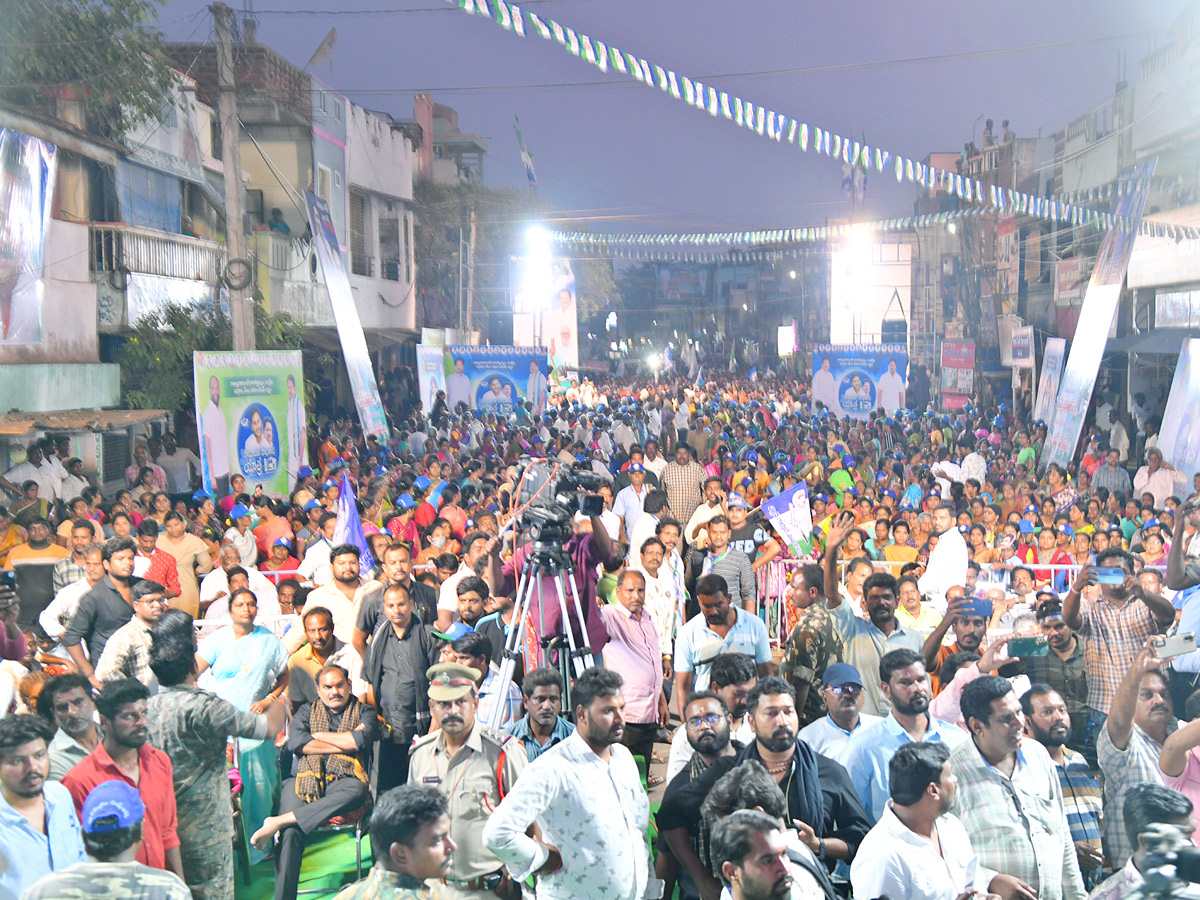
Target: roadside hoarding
(854, 379)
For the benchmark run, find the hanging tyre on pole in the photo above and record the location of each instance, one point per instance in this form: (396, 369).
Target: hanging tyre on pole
(237, 274)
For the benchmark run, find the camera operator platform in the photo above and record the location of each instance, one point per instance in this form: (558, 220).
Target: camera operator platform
(550, 574)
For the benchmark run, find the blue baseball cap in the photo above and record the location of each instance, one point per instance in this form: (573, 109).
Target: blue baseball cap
(636, 467)
(303, 472)
(454, 632)
(327, 484)
(406, 501)
(421, 482)
(201, 495)
(841, 673)
(737, 501)
(313, 503)
(1025, 526)
(112, 800)
(238, 511)
(282, 542)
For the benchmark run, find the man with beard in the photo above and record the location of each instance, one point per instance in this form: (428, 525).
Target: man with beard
(1048, 722)
(947, 564)
(1010, 801)
(731, 677)
(681, 479)
(865, 641)
(1063, 669)
(750, 850)
(1130, 745)
(322, 649)
(343, 595)
(37, 817)
(475, 548)
(66, 701)
(706, 726)
(843, 697)
(867, 757)
(124, 755)
(821, 801)
(588, 800)
(969, 617)
(332, 738)
(475, 766)
(917, 850)
(703, 513)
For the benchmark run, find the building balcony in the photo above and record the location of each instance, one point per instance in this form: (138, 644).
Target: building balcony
(116, 247)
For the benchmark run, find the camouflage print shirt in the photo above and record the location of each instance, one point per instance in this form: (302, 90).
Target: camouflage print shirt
(128, 880)
(192, 726)
(382, 884)
(812, 647)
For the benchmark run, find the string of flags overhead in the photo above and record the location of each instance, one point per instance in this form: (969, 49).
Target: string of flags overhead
(779, 127)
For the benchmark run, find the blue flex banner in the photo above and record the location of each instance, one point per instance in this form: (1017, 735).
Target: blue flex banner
(853, 379)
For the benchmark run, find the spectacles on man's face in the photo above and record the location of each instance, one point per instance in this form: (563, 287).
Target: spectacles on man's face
(706, 719)
(840, 689)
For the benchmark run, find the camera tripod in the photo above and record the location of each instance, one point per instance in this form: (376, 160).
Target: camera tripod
(544, 560)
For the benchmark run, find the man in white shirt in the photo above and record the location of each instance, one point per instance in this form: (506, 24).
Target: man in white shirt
(216, 587)
(824, 388)
(890, 389)
(629, 503)
(948, 560)
(917, 850)
(654, 461)
(537, 389)
(57, 614)
(179, 463)
(587, 797)
(1158, 478)
(843, 696)
(1118, 437)
(458, 387)
(474, 558)
(31, 470)
(214, 441)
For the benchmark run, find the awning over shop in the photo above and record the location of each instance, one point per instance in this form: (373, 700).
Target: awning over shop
(1157, 340)
(19, 424)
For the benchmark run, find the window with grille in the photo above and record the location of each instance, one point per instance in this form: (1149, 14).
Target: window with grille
(360, 261)
(115, 455)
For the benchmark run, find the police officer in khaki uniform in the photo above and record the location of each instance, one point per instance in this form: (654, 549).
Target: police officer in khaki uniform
(475, 766)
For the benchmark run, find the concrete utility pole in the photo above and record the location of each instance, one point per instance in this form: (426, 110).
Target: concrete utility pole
(241, 306)
(471, 273)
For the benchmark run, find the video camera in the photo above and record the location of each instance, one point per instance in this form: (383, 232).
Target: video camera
(1171, 862)
(552, 493)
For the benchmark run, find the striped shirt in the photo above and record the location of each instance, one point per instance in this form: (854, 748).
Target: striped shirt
(1112, 480)
(683, 487)
(1083, 801)
(734, 566)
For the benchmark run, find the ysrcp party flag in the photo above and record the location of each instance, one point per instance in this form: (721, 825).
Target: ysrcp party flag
(791, 515)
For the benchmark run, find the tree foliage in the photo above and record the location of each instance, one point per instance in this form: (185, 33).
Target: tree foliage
(105, 52)
(156, 359)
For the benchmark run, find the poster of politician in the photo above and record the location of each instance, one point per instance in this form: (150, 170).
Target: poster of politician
(251, 418)
(560, 322)
(431, 374)
(791, 515)
(496, 379)
(1052, 365)
(1180, 436)
(854, 379)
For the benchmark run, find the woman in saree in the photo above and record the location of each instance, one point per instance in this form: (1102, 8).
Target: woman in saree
(246, 665)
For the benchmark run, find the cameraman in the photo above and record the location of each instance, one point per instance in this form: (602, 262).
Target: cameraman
(1148, 807)
(586, 551)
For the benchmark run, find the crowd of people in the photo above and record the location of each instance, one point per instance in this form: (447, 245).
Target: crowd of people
(976, 675)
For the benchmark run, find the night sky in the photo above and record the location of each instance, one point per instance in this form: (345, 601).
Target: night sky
(625, 157)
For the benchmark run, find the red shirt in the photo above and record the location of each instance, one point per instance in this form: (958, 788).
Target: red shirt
(164, 569)
(424, 515)
(154, 784)
(291, 564)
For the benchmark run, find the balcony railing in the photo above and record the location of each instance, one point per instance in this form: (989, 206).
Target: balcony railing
(362, 264)
(151, 252)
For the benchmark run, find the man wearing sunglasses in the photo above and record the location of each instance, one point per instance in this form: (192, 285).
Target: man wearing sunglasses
(842, 691)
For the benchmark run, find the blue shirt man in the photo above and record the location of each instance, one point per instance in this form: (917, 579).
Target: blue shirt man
(720, 628)
(27, 853)
(906, 684)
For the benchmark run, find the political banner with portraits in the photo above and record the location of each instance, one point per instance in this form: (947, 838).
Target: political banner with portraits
(791, 515)
(958, 373)
(1179, 439)
(854, 379)
(251, 417)
(495, 379)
